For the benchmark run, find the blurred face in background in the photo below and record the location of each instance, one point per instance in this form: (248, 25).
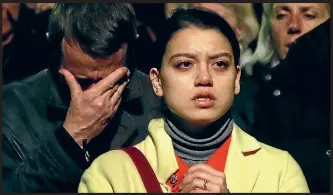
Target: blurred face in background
(228, 13)
(12, 9)
(292, 20)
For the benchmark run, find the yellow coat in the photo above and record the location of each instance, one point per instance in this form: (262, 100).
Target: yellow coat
(267, 170)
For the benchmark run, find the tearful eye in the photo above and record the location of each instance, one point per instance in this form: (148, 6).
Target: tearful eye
(184, 64)
(221, 64)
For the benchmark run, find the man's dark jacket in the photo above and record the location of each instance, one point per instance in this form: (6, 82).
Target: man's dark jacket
(293, 107)
(38, 155)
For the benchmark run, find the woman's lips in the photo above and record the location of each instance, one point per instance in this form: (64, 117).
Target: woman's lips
(204, 100)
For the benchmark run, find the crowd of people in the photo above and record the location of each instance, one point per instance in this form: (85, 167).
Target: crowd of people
(166, 97)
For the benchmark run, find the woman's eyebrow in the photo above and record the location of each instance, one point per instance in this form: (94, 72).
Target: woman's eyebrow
(189, 55)
(221, 54)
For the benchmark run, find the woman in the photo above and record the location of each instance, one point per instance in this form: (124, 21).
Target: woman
(196, 147)
(291, 83)
(282, 24)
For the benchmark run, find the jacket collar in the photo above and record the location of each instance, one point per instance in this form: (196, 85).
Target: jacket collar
(241, 172)
(158, 149)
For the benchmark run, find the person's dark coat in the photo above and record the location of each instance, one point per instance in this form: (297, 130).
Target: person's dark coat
(293, 107)
(244, 103)
(38, 155)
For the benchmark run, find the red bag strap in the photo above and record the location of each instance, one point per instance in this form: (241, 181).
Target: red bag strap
(146, 172)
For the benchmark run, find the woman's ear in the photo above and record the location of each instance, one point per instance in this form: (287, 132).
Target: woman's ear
(155, 78)
(237, 80)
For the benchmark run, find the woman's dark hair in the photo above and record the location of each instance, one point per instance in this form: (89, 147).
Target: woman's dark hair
(99, 28)
(196, 17)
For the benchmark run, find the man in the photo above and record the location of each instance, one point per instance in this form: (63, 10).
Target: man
(292, 105)
(92, 100)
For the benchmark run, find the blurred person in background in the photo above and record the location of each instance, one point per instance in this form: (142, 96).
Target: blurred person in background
(282, 24)
(292, 102)
(148, 29)
(25, 48)
(10, 12)
(169, 8)
(40, 7)
(269, 51)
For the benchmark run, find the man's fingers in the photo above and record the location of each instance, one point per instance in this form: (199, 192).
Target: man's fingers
(114, 99)
(117, 106)
(109, 81)
(113, 109)
(73, 85)
(109, 93)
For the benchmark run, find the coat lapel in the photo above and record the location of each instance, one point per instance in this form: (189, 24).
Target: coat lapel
(131, 117)
(241, 172)
(126, 129)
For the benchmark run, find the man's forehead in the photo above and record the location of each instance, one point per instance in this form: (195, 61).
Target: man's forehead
(77, 56)
(299, 5)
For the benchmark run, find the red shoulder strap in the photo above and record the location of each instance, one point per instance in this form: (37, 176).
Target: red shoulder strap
(146, 172)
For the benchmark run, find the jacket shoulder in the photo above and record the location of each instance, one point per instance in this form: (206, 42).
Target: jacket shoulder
(292, 178)
(141, 77)
(31, 87)
(141, 86)
(109, 172)
(267, 154)
(273, 156)
(107, 162)
(270, 150)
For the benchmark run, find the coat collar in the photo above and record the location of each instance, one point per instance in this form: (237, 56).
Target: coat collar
(158, 149)
(241, 172)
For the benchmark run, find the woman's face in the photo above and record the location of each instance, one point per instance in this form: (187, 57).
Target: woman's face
(198, 76)
(292, 20)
